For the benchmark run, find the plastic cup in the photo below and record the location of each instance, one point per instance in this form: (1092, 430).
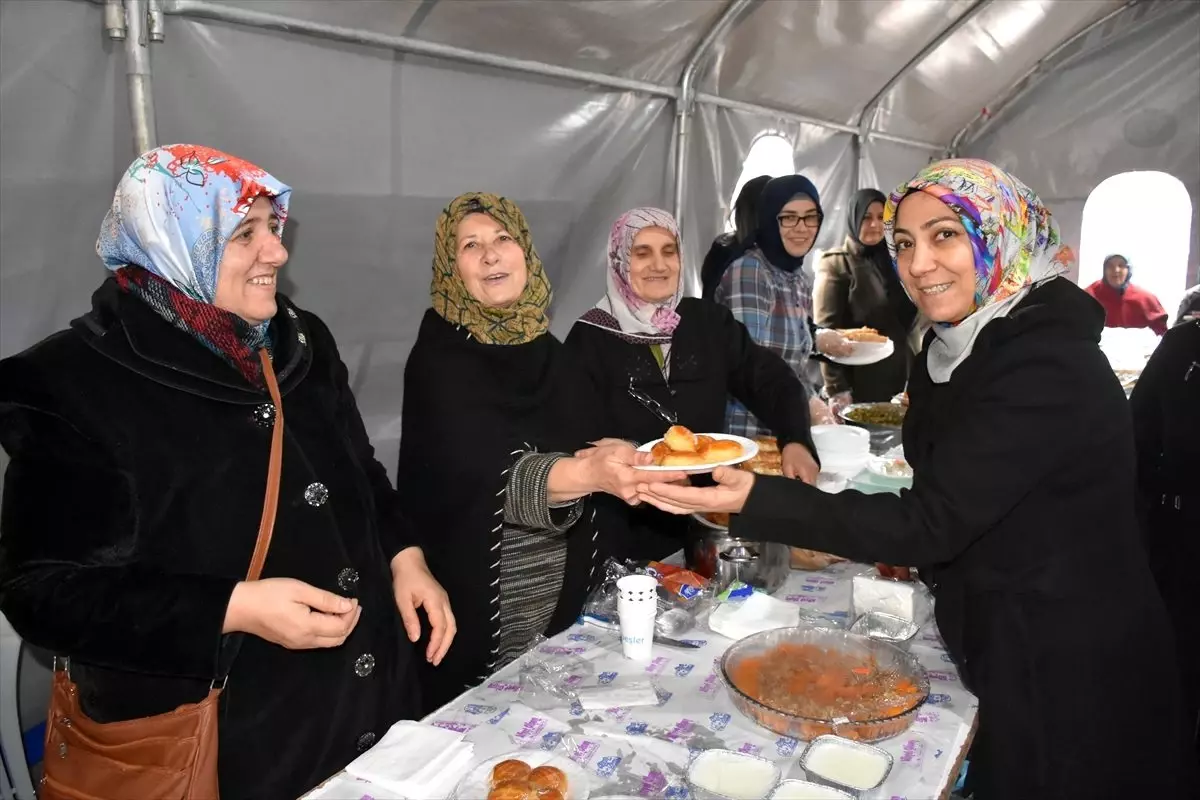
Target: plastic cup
(637, 629)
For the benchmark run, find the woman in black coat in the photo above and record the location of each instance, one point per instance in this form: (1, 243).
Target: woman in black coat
(492, 410)
(1166, 428)
(1021, 512)
(654, 359)
(139, 440)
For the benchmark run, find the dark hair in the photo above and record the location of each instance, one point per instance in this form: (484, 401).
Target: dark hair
(745, 208)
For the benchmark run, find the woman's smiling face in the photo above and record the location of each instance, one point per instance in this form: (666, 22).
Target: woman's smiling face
(934, 257)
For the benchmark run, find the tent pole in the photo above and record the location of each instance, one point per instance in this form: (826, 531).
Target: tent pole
(114, 20)
(867, 115)
(685, 100)
(1030, 79)
(137, 69)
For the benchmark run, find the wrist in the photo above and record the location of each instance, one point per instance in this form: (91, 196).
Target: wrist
(407, 557)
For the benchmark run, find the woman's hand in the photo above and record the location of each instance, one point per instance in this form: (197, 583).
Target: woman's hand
(832, 343)
(415, 587)
(609, 467)
(729, 495)
(799, 463)
(819, 413)
(291, 613)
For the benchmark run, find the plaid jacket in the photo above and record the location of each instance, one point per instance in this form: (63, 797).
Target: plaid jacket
(775, 306)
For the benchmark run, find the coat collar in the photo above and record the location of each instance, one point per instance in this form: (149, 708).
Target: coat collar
(124, 329)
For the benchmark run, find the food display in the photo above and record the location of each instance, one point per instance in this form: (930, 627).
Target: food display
(513, 779)
(682, 448)
(867, 335)
(797, 681)
(768, 460)
(739, 776)
(888, 415)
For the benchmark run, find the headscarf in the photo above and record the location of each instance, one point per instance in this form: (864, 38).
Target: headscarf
(1128, 273)
(621, 311)
(1013, 236)
(525, 319)
(171, 217)
(777, 194)
(728, 247)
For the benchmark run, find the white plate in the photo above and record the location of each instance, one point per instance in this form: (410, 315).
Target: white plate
(880, 465)
(749, 451)
(865, 353)
(478, 782)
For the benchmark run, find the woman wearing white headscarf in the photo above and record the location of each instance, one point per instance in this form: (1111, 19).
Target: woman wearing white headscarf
(1022, 501)
(655, 358)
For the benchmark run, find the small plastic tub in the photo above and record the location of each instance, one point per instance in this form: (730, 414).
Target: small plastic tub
(807, 790)
(846, 764)
(730, 775)
(886, 628)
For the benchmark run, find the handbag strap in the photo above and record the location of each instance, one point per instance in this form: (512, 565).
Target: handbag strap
(266, 526)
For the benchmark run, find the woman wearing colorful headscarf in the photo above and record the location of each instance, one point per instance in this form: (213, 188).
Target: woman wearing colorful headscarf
(857, 286)
(140, 439)
(492, 409)
(1021, 513)
(654, 359)
(1126, 305)
(768, 291)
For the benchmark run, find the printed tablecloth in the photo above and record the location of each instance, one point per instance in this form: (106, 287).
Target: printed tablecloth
(644, 750)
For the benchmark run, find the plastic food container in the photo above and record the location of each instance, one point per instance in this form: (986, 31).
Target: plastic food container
(807, 790)
(846, 764)
(867, 725)
(886, 628)
(730, 775)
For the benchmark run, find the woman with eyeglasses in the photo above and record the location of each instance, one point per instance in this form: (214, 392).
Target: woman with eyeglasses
(655, 358)
(768, 291)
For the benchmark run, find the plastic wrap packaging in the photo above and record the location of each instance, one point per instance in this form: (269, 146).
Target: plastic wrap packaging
(548, 675)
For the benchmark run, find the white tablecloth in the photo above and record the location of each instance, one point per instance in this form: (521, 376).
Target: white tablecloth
(644, 750)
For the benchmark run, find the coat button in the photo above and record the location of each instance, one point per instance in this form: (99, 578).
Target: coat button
(347, 579)
(364, 665)
(315, 494)
(365, 741)
(264, 415)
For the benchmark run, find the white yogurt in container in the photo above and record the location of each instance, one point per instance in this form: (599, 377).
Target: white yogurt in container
(806, 790)
(728, 774)
(846, 763)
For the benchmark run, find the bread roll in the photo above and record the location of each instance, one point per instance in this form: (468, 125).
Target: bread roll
(864, 335)
(680, 439)
(544, 778)
(512, 790)
(722, 450)
(510, 770)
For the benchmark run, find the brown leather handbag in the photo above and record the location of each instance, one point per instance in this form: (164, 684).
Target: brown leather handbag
(170, 756)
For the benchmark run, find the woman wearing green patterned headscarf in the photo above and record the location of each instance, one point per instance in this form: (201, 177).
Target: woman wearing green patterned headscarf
(491, 410)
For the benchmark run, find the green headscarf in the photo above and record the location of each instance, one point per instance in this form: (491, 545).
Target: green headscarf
(524, 320)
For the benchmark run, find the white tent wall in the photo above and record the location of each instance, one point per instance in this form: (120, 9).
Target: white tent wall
(1128, 100)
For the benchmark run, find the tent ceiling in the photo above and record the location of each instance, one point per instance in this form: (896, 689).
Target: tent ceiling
(823, 58)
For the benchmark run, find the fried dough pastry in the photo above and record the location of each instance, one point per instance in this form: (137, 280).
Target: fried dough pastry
(863, 335)
(682, 448)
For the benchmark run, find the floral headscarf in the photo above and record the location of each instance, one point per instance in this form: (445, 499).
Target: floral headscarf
(524, 320)
(1015, 240)
(171, 217)
(621, 311)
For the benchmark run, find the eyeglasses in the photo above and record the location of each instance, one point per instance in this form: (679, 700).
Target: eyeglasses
(652, 405)
(792, 220)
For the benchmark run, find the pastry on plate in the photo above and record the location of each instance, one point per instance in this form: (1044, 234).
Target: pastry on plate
(866, 335)
(548, 778)
(680, 439)
(512, 790)
(510, 770)
(682, 448)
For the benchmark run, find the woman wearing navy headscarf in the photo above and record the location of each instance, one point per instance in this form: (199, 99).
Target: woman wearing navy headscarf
(771, 295)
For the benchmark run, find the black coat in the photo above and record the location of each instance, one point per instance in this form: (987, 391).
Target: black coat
(131, 508)
(1166, 426)
(470, 410)
(712, 357)
(1022, 512)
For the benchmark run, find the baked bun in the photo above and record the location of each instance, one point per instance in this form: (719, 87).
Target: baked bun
(544, 778)
(510, 770)
(680, 439)
(721, 450)
(512, 790)
(673, 459)
(864, 335)
(550, 794)
(659, 452)
(767, 444)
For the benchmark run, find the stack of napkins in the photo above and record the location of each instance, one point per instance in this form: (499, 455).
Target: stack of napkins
(618, 694)
(417, 761)
(758, 612)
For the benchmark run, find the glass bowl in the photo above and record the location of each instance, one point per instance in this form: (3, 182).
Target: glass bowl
(875, 721)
